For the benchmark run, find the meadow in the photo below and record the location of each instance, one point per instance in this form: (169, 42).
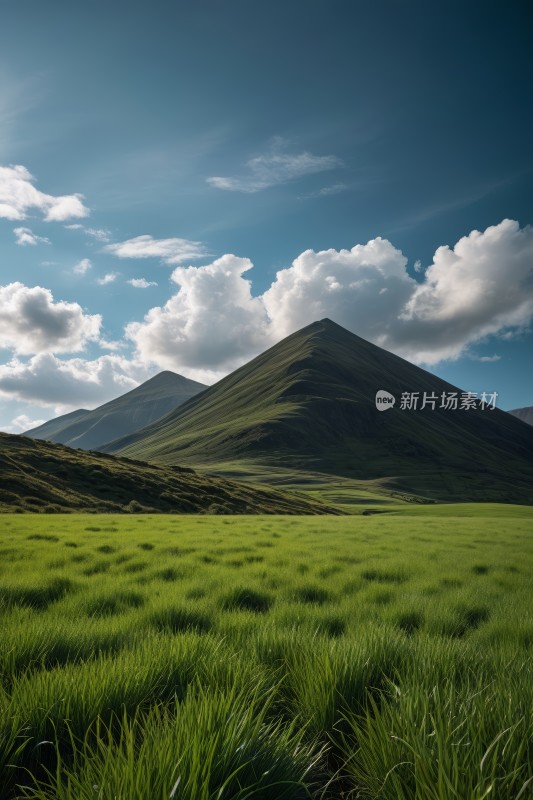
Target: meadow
(237, 657)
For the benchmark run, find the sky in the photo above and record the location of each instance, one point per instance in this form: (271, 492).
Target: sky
(184, 184)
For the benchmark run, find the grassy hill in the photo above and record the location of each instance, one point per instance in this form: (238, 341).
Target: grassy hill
(121, 416)
(308, 403)
(43, 477)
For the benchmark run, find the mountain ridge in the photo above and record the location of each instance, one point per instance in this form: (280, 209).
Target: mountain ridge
(124, 414)
(309, 402)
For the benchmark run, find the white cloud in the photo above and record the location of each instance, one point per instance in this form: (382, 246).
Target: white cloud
(213, 323)
(275, 167)
(480, 287)
(489, 359)
(109, 277)
(18, 195)
(65, 384)
(483, 286)
(171, 251)
(141, 283)
(100, 234)
(112, 345)
(82, 266)
(23, 423)
(26, 236)
(32, 322)
(345, 285)
(417, 266)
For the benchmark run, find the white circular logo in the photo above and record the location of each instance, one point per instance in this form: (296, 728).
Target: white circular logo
(384, 400)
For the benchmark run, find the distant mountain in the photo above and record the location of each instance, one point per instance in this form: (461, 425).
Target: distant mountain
(48, 430)
(308, 403)
(525, 414)
(126, 414)
(44, 477)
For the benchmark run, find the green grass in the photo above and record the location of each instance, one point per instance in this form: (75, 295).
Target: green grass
(267, 657)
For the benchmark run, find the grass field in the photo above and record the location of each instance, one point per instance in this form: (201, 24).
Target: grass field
(179, 657)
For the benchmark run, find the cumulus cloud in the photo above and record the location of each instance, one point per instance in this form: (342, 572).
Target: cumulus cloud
(171, 251)
(23, 423)
(109, 277)
(82, 266)
(275, 167)
(65, 384)
(32, 322)
(141, 283)
(482, 286)
(18, 196)
(213, 323)
(26, 236)
(345, 285)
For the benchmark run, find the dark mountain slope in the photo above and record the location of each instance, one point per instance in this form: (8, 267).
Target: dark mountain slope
(309, 403)
(44, 477)
(122, 416)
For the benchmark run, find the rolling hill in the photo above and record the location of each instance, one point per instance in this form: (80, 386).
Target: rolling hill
(308, 403)
(126, 414)
(40, 476)
(525, 414)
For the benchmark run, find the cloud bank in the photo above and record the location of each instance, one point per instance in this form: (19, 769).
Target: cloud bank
(64, 384)
(32, 322)
(18, 196)
(212, 323)
(481, 286)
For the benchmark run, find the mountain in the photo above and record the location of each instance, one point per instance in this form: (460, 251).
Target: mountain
(48, 430)
(44, 477)
(126, 414)
(308, 403)
(525, 414)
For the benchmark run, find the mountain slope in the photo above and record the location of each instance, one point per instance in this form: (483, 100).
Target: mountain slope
(525, 414)
(48, 430)
(309, 403)
(122, 416)
(44, 477)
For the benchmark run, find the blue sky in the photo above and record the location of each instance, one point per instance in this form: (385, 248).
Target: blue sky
(282, 162)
